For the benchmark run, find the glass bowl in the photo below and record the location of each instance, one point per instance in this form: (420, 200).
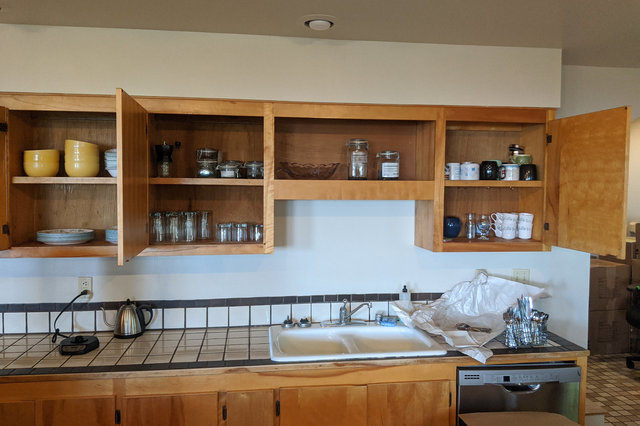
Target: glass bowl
(309, 171)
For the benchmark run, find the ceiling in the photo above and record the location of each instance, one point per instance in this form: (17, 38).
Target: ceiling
(590, 32)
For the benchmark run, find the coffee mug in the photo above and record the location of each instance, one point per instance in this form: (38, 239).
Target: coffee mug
(525, 225)
(489, 170)
(528, 172)
(452, 227)
(510, 172)
(504, 225)
(454, 170)
(469, 171)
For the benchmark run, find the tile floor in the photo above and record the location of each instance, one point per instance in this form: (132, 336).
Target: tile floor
(615, 387)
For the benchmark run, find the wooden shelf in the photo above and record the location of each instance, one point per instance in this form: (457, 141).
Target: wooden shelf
(353, 190)
(493, 244)
(64, 180)
(35, 249)
(201, 248)
(207, 181)
(494, 183)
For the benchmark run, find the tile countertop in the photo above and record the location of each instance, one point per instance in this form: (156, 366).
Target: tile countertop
(22, 354)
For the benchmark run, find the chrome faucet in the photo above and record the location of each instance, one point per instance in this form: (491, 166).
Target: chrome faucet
(345, 317)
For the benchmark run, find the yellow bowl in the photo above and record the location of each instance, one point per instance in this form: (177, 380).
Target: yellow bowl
(41, 168)
(82, 168)
(74, 145)
(46, 155)
(81, 157)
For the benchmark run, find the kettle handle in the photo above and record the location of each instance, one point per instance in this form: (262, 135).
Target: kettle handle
(149, 309)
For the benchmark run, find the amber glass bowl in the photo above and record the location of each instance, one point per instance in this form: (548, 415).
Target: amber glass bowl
(308, 171)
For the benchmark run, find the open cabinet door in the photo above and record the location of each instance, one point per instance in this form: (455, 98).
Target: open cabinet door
(133, 177)
(587, 162)
(4, 181)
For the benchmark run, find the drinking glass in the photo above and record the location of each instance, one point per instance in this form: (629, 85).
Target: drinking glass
(189, 226)
(484, 224)
(223, 232)
(173, 227)
(157, 227)
(240, 232)
(204, 225)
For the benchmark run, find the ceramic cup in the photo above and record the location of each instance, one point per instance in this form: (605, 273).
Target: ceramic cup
(525, 225)
(521, 159)
(452, 227)
(510, 172)
(496, 224)
(528, 172)
(454, 170)
(489, 170)
(506, 225)
(469, 171)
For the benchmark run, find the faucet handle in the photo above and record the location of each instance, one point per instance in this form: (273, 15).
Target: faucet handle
(344, 303)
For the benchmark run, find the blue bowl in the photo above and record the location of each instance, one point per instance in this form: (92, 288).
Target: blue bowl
(452, 227)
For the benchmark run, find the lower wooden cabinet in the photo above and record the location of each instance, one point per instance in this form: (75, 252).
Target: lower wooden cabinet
(78, 411)
(18, 413)
(408, 404)
(249, 408)
(170, 410)
(324, 405)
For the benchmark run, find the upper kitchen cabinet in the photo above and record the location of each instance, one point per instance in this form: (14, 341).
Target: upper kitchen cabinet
(587, 165)
(311, 154)
(161, 138)
(41, 203)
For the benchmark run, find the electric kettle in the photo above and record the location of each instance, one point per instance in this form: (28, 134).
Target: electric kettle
(130, 321)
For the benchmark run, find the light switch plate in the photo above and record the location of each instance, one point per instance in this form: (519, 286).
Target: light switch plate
(520, 275)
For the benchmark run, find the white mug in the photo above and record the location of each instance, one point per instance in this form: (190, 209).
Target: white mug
(525, 218)
(509, 225)
(454, 171)
(524, 230)
(470, 171)
(510, 172)
(496, 223)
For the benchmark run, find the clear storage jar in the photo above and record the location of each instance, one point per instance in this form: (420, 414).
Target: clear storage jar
(388, 165)
(228, 169)
(255, 169)
(357, 159)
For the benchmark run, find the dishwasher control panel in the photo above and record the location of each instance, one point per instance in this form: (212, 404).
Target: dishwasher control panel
(511, 375)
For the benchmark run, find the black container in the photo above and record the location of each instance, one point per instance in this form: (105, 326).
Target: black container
(528, 172)
(489, 170)
(452, 227)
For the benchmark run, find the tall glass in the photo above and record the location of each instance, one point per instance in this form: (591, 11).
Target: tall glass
(158, 227)
(204, 225)
(173, 227)
(189, 226)
(357, 159)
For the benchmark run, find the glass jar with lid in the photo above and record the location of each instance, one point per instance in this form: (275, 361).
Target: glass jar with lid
(357, 159)
(255, 169)
(228, 169)
(207, 161)
(388, 165)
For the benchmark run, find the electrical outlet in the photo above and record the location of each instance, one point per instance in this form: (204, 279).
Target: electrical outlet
(85, 283)
(520, 275)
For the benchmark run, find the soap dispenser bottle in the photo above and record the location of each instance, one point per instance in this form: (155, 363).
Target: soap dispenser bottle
(405, 294)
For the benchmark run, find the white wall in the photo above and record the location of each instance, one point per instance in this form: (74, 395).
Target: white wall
(587, 89)
(321, 246)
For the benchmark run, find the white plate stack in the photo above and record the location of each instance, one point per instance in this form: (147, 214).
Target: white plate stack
(111, 234)
(111, 162)
(61, 237)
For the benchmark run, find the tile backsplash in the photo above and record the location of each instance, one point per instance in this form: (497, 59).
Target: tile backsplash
(180, 314)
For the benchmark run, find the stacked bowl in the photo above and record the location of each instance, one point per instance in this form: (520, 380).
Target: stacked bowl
(81, 159)
(41, 162)
(111, 235)
(111, 162)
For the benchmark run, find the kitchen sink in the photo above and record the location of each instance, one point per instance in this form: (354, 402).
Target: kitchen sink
(349, 342)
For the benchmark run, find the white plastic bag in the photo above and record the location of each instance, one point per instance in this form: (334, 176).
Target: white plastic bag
(479, 303)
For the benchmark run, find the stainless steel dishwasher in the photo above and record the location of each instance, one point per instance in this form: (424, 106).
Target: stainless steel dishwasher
(550, 387)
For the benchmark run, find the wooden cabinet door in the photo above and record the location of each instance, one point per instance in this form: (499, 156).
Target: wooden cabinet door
(18, 413)
(177, 410)
(323, 406)
(249, 408)
(4, 179)
(586, 182)
(79, 412)
(408, 404)
(133, 177)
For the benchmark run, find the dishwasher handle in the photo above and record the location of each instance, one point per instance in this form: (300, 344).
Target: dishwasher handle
(522, 389)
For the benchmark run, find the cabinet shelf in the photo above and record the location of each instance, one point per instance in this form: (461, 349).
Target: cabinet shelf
(207, 181)
(202, 248)
(494, 183)
(94, 248)
(353, 190)
(493, 244)
(64, 180)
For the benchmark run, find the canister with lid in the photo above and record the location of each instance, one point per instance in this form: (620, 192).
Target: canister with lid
(357, 159)
(388, 165)
(255, 169)
(228, 169)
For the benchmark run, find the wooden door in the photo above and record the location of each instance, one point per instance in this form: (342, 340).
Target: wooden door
(586, 182)
(176, 410)
(323, 406)
(79, 412)
(18, 413)
(250, 408)
(4, 181)
(133, 177)
(408, 404)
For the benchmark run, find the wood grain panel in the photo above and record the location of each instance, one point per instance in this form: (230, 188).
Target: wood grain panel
(408, 404)
(238, 138)
(250, 408)
(591, 177)
(496, 114)
(321, 406)
(269, 188)
(191, 106)
(133, 178)
(206, 181)
(78, 412)
(178, 410)
(4, 180)
(57, 102)
(353, 190)
(18, 413)
(64, 180)
(321, 141)
(478, 146)
(356, 111)
(95, 248)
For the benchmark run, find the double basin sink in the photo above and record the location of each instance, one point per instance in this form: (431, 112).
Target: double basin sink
(317, 343)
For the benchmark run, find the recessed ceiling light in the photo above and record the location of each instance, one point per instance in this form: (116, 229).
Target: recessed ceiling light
(319, 24)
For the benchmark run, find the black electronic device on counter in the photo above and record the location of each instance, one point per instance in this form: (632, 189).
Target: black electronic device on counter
(78, 345)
